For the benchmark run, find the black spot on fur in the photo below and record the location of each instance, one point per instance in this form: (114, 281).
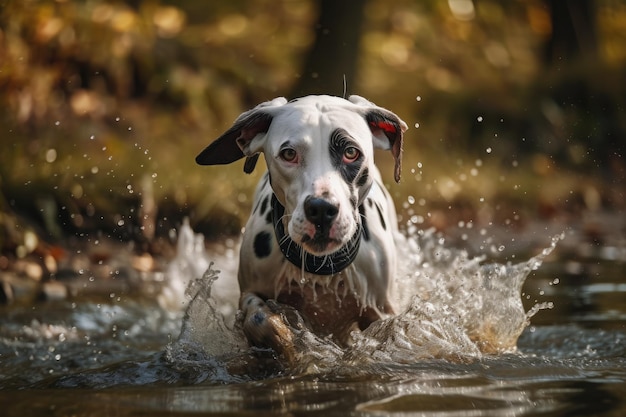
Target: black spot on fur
(381, 217)
(363, 177)
(339, 141)
(266, 178)
(264, 204)
(262, 245)
(366, 230)
(353, 200)
(256, 207)
(258, 318)
(268, 217)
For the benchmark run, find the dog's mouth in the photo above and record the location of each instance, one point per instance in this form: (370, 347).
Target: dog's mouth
(320, 244)
(314, 251)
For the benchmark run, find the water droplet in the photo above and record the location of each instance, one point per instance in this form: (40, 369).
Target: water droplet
(415, 219)
(488, 150)
(418, 98)
(51, 155)
(479, 118)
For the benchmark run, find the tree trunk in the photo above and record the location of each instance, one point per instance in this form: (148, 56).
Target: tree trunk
(334, 54)
(574, 34)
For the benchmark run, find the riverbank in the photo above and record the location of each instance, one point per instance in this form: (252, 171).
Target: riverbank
(94, 265)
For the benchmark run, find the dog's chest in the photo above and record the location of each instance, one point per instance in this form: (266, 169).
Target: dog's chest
(327, 301)
(327, 310)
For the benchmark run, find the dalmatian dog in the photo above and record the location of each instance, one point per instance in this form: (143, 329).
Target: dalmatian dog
(322, 234)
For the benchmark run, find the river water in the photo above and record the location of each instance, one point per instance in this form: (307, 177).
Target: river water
(486, 331)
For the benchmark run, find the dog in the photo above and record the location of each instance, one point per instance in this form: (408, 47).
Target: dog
(323, 230)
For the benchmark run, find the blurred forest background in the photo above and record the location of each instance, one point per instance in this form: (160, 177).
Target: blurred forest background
(515, 108)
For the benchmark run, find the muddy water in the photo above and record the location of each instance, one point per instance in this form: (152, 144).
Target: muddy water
(541, 336)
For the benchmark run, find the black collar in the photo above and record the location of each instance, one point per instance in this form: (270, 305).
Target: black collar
(318, 265)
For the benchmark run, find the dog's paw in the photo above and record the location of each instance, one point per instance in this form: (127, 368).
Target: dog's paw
(266, 328)
(290, 315)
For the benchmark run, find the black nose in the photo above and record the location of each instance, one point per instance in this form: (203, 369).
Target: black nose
(320, 212)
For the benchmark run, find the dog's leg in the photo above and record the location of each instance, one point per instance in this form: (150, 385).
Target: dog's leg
(266, 328)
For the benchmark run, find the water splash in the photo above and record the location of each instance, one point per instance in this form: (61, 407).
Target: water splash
(190, 262)
(203, 325)
(460, 308)
(454, 307)
(211, 345)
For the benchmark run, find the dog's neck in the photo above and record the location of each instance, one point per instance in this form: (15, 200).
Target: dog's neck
(318, 265)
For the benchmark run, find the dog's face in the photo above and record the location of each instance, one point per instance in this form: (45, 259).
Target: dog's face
(319, 150)
(318, 157)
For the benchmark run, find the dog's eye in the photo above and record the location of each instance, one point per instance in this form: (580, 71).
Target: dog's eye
(350, 154)
(288, 154)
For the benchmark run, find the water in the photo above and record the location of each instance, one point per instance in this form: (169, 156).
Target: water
(545, 336)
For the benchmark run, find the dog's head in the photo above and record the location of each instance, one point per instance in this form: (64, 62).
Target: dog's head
(319, 152)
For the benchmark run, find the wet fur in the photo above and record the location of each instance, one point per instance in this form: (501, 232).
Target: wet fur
(330, 200)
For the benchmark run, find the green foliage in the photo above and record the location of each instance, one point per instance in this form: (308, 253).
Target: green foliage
(104, 104)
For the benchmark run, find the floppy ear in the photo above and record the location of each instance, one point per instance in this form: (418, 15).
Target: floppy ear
(387, 130)
(234, 144)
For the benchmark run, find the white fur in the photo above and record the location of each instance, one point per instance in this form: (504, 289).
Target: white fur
(306, 126)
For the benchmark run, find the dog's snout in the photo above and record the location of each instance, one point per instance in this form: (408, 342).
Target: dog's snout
(320, 212)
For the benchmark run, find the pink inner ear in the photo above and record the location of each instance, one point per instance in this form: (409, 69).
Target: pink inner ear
(386, 126)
